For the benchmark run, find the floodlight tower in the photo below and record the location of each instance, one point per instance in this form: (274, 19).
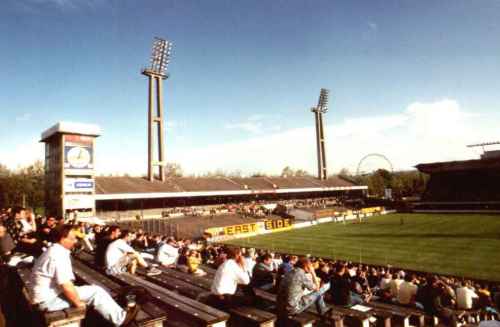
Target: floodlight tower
(318, 111)
(156, 73)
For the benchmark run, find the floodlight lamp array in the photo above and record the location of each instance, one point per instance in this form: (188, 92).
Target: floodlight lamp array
(160, 56)
(323, 100)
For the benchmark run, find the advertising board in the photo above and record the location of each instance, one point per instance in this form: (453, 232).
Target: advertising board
(78, 201)
(278, 224)
(241, 229)
(78, 185)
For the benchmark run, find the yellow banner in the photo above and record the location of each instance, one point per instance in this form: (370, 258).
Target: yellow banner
(215, 231)
(371, 210)
(241, 229)
(278, 224)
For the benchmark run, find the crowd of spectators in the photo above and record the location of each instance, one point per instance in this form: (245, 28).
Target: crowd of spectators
(301, 282)
(255, 209)
(298, 282)
(316, 203)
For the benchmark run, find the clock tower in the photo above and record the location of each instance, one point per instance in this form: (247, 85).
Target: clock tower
(69, 169)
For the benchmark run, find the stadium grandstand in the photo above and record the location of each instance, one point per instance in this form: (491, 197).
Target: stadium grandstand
(127, 197)
(462, 186)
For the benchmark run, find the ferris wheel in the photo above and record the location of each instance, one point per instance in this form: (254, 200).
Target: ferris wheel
(372, 162)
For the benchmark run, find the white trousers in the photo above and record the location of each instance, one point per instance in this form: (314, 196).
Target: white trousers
(94, 296)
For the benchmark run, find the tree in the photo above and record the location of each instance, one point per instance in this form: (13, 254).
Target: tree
(173, 169)
(290, 172)
(235, 174)
(301, 173)
(287, 172)
(24, 186)
(402, 183)
(344, 172)
(217, 173)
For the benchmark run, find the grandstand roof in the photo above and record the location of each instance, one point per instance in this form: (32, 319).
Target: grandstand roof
(109, 188)
(464, 165)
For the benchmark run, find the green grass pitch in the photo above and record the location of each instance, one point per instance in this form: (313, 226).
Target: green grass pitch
(451, 244)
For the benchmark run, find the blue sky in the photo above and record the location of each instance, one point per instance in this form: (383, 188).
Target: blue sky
(244, 74)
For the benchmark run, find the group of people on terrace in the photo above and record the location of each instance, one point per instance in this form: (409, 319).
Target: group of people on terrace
(298, 282)
(303, 281)
(250, 209)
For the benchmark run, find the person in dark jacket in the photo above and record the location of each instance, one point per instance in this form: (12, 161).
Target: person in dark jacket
(24, 243)
(285, 267)
(262, 273)
(340, 288)
(102, 243)
(431, 297)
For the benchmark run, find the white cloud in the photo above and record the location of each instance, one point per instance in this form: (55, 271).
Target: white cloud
(256, 124)
(249, 126)
(421, 132)
(21, 155)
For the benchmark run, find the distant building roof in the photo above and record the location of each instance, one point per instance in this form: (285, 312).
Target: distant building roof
(71, 128)
(111, 188)
(464, 165)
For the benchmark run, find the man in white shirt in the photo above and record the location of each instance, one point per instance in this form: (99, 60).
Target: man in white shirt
(407, 291)
(249, 261)
(394, 285)
(121, 257)
(466, 296)
(167, 253)
(385, 282)
(229, 275)
(53, 289)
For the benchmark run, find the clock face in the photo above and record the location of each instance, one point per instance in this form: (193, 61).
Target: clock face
(78, 157)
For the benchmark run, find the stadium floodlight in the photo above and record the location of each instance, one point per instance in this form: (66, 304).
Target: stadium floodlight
(322, 102)
(156, 73)
(318, 111)
(160, 56)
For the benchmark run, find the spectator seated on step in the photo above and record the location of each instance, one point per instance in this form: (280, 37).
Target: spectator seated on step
(395, 284)
(53, 289)
(360, 287)
(193, 263)
(25, 242)
(103, 240)
(340, 288)
(289, 262)
(121, 257)
(467, 298)
(168, 253)
(262, 274)
(44, 231)
(292, 298)
(182, 260)
(228, 276)
(407, 291)
(432, 296)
